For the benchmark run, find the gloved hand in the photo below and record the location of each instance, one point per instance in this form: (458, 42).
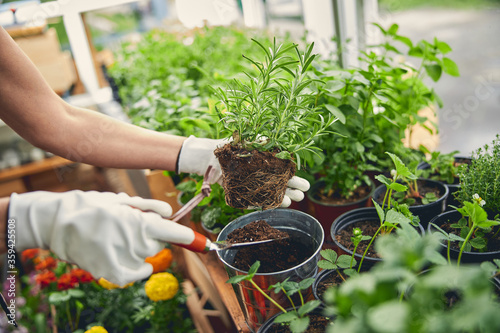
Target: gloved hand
(100, 232)
(197, 154)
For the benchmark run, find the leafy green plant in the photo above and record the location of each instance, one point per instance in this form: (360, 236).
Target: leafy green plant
(442, 167)
(212, 211)
(274, 110)
(331, 260)
(297, 319)
(482, 177)
(474, 225)
(394, 296)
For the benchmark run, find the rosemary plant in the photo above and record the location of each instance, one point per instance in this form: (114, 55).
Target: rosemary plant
(275, 109)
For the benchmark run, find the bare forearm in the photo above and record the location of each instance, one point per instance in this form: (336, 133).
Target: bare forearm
(30, 107)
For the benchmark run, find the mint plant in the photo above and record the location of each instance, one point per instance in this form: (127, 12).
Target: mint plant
(297, 319)
(442, 167)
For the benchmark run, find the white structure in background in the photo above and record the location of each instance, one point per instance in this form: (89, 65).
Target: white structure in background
(254, 13)
(198, 13)
(348, 21)
(70, 11)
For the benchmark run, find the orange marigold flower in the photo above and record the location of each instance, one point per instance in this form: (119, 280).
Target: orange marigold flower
(160, 261)
(66, 281)
(82, 275)
(46, 263)
(44, 279)
(29, 254)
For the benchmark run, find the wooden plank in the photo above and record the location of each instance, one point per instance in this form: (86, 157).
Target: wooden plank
(33, 167)
(219, 277)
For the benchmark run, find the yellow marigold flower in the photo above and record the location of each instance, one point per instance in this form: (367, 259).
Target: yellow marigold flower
(96, 329)
(161, 287)
(109, 285)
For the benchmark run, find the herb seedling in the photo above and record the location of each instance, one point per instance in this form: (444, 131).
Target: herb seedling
(297, 319)
(474, 226)
(442, 167)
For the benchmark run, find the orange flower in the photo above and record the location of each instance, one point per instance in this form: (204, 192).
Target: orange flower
(44, 279)
(66, 281)
(160, 261)
(82, 275)
(29, 254)
(46, 263)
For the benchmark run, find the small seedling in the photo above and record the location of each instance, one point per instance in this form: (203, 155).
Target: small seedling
(297, 319)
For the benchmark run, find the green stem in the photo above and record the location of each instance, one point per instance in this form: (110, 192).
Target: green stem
(68, 313)
(366, 251)
(463, 245)
(289, 298)
(352, 257)
(448, 253)
(267, 296)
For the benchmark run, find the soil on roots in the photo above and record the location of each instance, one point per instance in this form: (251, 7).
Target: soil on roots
(253, 179)
(275, 256)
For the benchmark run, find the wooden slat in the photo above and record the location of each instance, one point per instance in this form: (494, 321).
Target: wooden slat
(33, 167)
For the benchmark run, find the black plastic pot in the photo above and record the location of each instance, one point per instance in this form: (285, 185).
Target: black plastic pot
(468, 257)
(266, 327)
(425, 212)
(452, 188)
(354, 216)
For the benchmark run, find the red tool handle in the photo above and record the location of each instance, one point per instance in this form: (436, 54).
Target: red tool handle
(200, 243)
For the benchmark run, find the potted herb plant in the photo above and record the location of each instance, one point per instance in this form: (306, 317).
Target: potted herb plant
(444, 168)
(381, 219)
(295, 260)
(395, 296)
(468, 233)
(426, 198)
(296, 319)
(272, 120)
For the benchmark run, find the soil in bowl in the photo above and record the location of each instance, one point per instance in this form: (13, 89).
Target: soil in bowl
(368, 227)
(253, 179)
(317, 324)
(335, 198)
(280, 255)
(331, 280)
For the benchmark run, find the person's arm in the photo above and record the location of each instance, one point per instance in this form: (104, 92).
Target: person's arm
(30, 107)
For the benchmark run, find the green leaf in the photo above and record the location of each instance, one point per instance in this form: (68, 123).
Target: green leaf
(299, 325)
(344, 261)
(398, 187)
(59, 297)
(401, 168)
(334, 85)
(383, 179)
(487, 224)
(404, 40)
(478, 243)
(434, 71)
(77, 293)
(442, 46)
(336, 112)
(389, 317)
(237, 279)
(380, 211)
(329, 255)
(396, 217)
(286, 317)
(306, 283)
(284, 155)
(450, 67)
(308, 307)
(325, 264)
(253, 269)
(393, 29)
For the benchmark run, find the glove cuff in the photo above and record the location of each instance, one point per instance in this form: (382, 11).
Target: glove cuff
(29, 232)
(195, 155)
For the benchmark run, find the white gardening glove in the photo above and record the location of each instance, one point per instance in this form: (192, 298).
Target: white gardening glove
(100, 232)
(197, 154)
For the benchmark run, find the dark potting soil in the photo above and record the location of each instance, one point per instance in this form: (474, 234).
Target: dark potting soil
(276, 256)
(369, 228)
(253, 178)
(493, 243)
(423, 189)
(335, 198)
(328, 282)
(317, 324)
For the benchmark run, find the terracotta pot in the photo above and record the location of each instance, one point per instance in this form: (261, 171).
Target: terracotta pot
(327, 213)
(255, 307)
(467, 257)
(425, 212)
